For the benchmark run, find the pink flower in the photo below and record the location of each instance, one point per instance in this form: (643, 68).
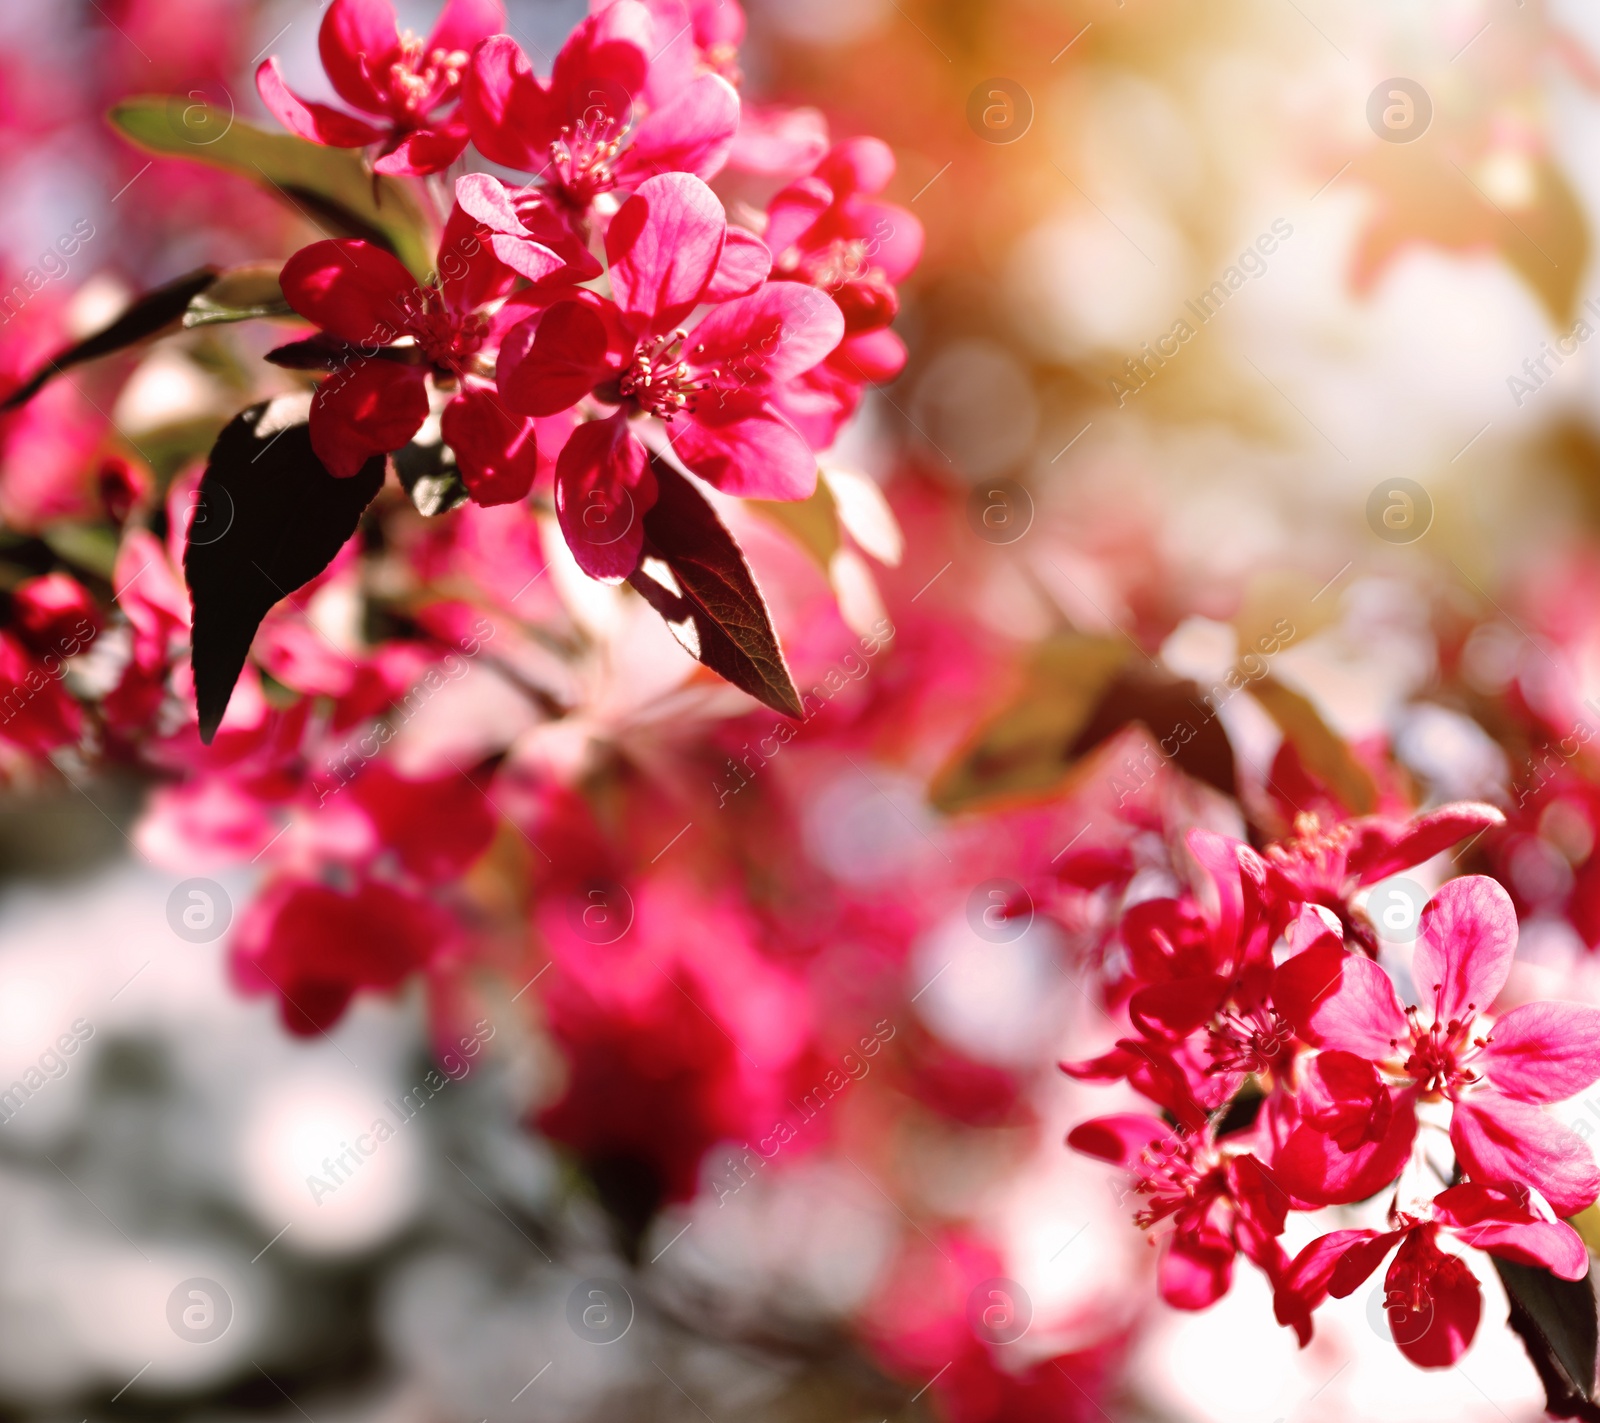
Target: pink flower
(1495, 1073)
(578, 132)
(1431, 1298)
(1219, 1203)
(1326, 864)
(315, 947)
(715, 384)
(400, 80)
(385, 336)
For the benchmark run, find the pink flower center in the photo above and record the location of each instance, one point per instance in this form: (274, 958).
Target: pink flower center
(421, 79)
(660, 381)
(830, 267)
(1251, 1041)
(583, 155)
(1440, 1052)
(1170, 1176)
(447, 340)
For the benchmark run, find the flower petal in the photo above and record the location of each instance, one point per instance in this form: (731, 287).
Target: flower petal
(423, 151)
(566, 359)
(604, 488)
(1383, 850)
(692, 133)
(1544, 1052)
(777, 332)
(744, 265)
(305, 119)
(664, 245)
(1312, 1166)
(369, 408)
(465, 24)
(792, 212)
(1464, 947)
(351, 289)
(1498, 1139)
(1120, 1139)
(1176, 1009)
(1194, 1272)
(358, 41)
(1501, 1221)
(758, 457)
(508, 111)
(1338, 999)
(1304, 1285)
(496, 452)
(1437, 1334)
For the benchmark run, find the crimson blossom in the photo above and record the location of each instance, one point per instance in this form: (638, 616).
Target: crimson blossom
(1431, 1297)
(401, 81)
(384, 336)
(670, 250)
(1496, 1073)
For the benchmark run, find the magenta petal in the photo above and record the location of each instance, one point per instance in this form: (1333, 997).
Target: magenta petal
(604, 488)
(760, 457)
(1359, 1258)
(369, 408)
(1176, 1009)
(465, 24)
(1496, 1219)
(484, 197)
(1544, 1052)
(305, 119)
(779, 331)
(777, 141)
(604, 63)
(470, 274)
(1433, 1302)
(893, 236)
(495, 451)
(691, 134)
(664, 245)
(1465, 947)
(1119, 1139)
(743, 267)
(422, 151)
(1312, 1166)
(872, 356)
(562, 365)
(1304, 1285)
(1338, 999)
(358, 41)
(858, 165)
(1194, 1272)
(1384, 850)
(351, 289)
(793, 211)
(1498, 1139)
(508, 112)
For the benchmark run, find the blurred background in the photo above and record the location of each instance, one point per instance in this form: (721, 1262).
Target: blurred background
(1232, 315)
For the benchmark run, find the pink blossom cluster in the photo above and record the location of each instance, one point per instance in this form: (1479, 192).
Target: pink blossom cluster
(1291, 1072)
(740, 346)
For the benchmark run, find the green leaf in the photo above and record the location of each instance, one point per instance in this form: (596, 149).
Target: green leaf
(1025, 750)
(268, 520)
(1321, 751)
(242, 294)
(91, 547)
(148, 315)
(1076, 693)
(694, 575)
(1559, 1325)
(429, 475)
(330, 187)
